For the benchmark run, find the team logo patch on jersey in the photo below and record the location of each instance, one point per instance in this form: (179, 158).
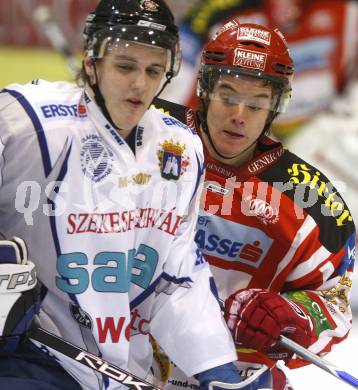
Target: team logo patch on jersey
(96, 158)
(172, 160)
(263, 210)
(250, 59)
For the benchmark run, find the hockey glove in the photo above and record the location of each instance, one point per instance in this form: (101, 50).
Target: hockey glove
(258, 317)
(227, 377)
(19, 293)
(226, 373)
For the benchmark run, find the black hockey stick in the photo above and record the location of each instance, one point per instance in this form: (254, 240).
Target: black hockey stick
(94, 362)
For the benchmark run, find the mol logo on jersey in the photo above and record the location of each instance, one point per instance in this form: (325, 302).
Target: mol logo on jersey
(230, 241)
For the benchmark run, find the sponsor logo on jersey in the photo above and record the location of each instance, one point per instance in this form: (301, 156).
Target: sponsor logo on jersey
(96, 158)
(212, 166)
(139, 135)
(80, 316)
(112, 328)
(216, 188)
(170, 121)
(262, 210)
(231, 241)
(333, 205)
(349, 257)
(254, 34)
(121, 222)
(265, 161)
(82, 111)
(312, 306)
(63, 110)
(172, 160)
(136, 179)
(182, 383)
(250, 59)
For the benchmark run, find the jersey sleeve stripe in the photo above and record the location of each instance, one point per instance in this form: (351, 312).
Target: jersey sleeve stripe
(313, 262)
(308, 225)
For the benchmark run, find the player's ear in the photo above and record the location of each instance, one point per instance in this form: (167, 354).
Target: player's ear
(88, 65)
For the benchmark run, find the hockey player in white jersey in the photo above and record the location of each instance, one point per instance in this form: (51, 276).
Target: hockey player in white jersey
(108, 230)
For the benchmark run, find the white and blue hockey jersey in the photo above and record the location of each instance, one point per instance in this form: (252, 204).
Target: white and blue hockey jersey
(110, 231)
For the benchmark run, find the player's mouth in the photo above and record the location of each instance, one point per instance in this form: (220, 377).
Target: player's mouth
(135, 103)
(232, 134)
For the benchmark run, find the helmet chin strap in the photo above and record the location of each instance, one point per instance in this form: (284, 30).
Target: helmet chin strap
(100, 99)
(168, 76)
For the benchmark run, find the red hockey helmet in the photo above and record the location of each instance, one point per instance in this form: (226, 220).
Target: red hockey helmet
(251, 50)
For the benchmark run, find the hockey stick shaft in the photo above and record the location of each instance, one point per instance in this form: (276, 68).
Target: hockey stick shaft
(94, 362)
(43, 17)
(319, 362)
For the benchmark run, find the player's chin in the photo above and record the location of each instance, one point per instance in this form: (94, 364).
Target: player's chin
(130, 120)
(231, 149)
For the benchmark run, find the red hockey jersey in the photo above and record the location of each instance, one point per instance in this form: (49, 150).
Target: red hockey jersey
(278, 223)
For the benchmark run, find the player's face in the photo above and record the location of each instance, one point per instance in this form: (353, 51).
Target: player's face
(236, 116)
(129, 77)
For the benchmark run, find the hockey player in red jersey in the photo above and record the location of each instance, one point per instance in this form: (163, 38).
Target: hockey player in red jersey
(278, 236)
(322, 39)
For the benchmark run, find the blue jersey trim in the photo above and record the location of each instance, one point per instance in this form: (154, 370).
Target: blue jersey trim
(200, 173)
(61, 176)
(37, 126)
(148, 291)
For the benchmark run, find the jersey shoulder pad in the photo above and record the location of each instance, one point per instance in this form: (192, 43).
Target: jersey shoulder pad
(42, 88)
(311, 190)
(182, 113)
(171, 123)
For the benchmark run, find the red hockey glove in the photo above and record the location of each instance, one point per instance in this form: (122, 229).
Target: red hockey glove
(257, 317)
